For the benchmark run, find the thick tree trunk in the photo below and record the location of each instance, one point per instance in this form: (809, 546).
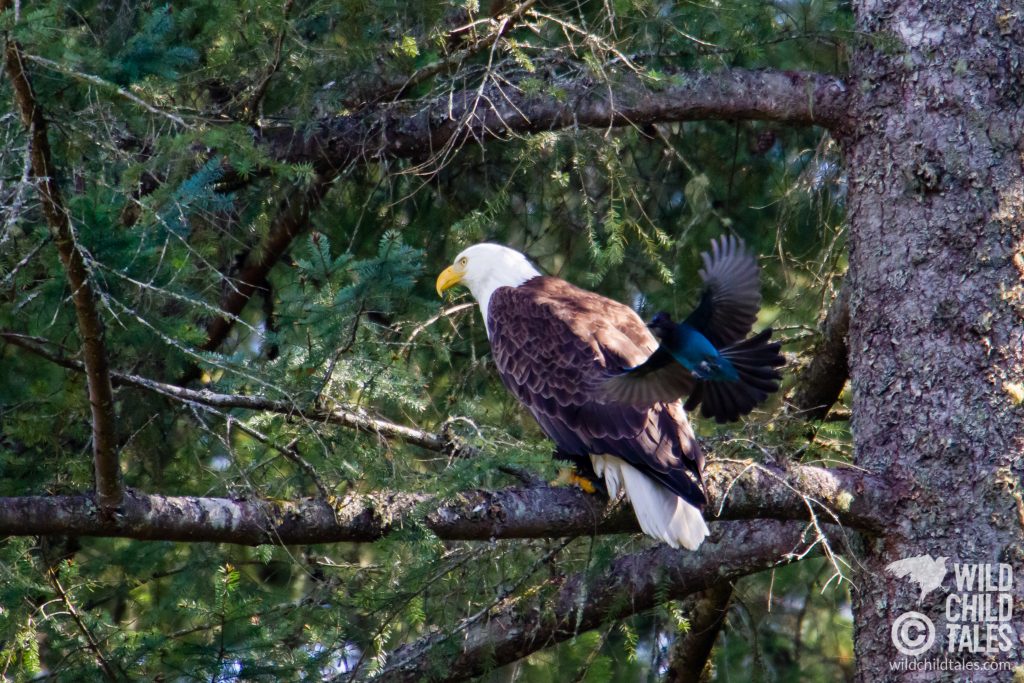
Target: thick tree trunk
(936, 213)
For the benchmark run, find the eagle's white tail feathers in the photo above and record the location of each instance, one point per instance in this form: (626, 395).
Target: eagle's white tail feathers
(661, 513)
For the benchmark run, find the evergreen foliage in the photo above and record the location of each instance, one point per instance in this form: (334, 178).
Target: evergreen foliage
(167, 199)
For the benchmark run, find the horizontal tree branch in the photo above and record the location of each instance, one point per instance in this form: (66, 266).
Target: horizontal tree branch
(420, 129)
(568, 606)
(736, 491)
(90, 326)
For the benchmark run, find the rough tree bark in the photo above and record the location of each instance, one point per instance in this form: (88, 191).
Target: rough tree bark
(90, 325)
(936, 219)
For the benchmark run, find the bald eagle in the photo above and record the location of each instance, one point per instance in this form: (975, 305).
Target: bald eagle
(558, 349)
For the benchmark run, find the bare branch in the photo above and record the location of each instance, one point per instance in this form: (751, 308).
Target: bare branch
(446, 313)
(568, 606)
(90, 327)
(14, 211)
(739, 491)
(692, 650)
(820, 383)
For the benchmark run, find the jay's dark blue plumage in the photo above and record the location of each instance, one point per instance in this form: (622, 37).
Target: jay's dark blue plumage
(707, 357)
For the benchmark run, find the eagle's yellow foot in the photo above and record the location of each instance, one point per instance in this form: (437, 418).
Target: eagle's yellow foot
(567, 476)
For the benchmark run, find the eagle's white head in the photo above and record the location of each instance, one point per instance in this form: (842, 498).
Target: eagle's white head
(485, 267)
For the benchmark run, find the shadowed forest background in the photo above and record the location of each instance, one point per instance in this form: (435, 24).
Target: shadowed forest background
(259, 195)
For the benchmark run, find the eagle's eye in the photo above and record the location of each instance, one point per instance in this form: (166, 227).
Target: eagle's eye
(463, 261)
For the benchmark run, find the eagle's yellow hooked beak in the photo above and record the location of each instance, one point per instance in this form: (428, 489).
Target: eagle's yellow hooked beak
(448, 278)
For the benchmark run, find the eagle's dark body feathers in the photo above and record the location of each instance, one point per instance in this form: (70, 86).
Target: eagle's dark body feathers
(555, 346)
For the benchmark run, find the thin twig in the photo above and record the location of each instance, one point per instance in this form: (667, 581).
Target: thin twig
(446, 313)
(90, 639)
(24, 261)
(501, 25)
(106, 85)
(19, 196)
(287, 451)
(292, 219)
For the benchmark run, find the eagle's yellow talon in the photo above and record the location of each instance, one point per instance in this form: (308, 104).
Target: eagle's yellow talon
(567, 477)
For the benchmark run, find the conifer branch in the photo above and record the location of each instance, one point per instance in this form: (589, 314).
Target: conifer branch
(430, 131)
(252, 105)
(102, 661)
(501, 25)
(292, 219)
(99, 82)
(737, 489)
(90, 326)
(568, 606)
